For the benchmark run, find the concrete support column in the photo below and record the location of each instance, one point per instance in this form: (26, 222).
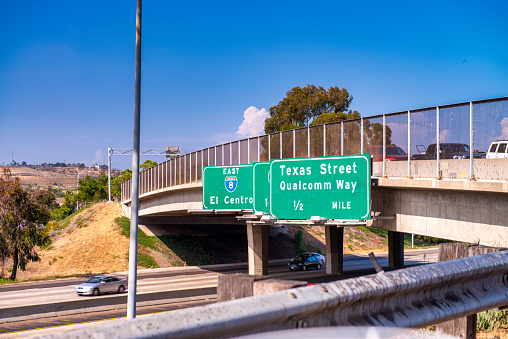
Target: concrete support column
(395, 249)
(334, 249)
(257, 237)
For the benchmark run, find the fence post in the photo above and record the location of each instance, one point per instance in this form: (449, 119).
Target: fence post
(324, 141)
(308, 142)
(384, 145)
(471, 142)
(259, 156)
(342, 138)
(269, 147)
(438, 176)
(409, 144)
(294, 143)
(361, 135)
(280, 145)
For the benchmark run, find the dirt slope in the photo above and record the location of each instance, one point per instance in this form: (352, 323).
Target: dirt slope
(89, 243)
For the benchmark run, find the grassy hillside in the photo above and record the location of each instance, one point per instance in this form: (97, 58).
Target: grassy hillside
(95, 240)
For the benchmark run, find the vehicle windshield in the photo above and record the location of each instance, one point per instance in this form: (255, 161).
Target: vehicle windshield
(300, 258)
(395, 151)
(95, 280)
(460, 148)
(456, 148)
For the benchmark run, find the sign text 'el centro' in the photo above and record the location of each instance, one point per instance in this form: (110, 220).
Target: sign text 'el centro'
(328, 187)
(227, 187)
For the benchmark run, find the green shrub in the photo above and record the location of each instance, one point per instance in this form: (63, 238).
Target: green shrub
(298, 240)
(144, 240)
(491, 320)
(188, 249)
(147, 261)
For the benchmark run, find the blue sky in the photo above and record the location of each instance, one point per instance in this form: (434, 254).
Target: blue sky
(67, 67)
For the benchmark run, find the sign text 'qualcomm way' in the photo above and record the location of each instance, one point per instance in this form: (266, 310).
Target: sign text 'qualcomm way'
(327, 187)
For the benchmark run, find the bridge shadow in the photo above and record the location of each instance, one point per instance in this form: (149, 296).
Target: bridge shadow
(198, 245)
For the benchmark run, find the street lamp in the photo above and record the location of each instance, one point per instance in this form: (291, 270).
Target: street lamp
(77, 207)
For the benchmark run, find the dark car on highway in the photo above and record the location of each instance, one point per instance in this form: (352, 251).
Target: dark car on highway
(305, 261)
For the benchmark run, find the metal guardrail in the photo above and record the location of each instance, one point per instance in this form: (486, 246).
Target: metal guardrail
(475, 123)
(409, 298)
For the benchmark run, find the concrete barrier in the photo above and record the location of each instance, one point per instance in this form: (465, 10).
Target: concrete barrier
(408, 298)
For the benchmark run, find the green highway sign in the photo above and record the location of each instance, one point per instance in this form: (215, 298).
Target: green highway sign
(327, 187)
(261, 187)
(227, 187)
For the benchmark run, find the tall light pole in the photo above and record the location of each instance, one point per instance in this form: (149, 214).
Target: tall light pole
(133, 250)
(109, 172)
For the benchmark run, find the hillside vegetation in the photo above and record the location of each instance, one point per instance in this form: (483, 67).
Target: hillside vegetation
(95, 240)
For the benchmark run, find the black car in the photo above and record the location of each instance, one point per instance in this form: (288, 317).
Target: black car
(446, 151)
(305, 261)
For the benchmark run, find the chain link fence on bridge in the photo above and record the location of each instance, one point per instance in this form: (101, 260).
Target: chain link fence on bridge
(402, 144)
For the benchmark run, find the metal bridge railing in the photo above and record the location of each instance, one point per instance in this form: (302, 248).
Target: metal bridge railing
(475, 124)
(408, 298)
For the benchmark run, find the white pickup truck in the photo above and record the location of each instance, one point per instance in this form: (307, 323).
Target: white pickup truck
(498, 149)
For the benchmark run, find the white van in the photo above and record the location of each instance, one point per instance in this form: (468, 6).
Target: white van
(498, 149)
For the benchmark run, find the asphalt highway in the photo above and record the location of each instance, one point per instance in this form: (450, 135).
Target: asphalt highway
(159, 290)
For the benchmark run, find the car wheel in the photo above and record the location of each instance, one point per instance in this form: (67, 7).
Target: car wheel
(318, 266)
(121, 289)
(304, 268)
(96, 292)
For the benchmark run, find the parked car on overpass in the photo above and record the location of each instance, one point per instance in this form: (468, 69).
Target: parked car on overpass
(393, 153)
(498, 149)
(446, 151)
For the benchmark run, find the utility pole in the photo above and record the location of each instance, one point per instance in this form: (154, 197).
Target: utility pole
(109, 173)
(133, 251)
(10, 152)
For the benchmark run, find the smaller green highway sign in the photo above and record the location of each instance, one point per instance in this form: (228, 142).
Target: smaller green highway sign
(327, 187)
(227, 187)
(261, 187)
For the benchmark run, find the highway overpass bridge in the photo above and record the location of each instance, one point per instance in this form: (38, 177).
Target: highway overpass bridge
(463, 199)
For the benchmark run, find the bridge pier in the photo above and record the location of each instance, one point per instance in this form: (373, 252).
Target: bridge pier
(395, 249)
(257, 238)
(334, 249)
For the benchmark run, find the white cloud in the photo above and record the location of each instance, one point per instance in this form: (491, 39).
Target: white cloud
(253, 122)
(445, 135)
(98, 157)
(504, 131)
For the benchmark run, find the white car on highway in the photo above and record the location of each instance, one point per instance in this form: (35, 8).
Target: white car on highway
(102, 284)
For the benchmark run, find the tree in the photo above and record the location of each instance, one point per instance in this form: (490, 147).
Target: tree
(302, 105)
(116, 183)
(93, 189)
(328, 118)
(148, 164)
(68, 207)
(23, 213)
